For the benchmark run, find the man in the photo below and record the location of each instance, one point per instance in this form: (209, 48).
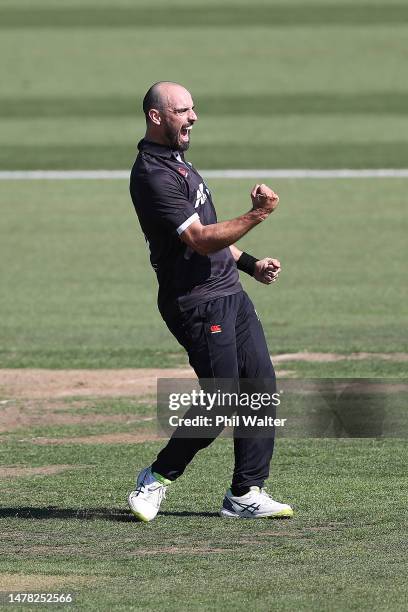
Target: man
(200, 297)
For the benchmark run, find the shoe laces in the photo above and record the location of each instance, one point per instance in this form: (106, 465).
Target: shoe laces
(151, 489)
(264, 493)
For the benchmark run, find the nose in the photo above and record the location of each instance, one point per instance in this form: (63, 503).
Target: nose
(192, 115)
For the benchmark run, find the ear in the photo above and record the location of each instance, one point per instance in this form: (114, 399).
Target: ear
(154, 116)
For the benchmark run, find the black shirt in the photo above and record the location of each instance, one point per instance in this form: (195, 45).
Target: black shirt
(169, 195)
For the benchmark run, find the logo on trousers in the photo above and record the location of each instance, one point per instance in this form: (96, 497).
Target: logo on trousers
(215, 329)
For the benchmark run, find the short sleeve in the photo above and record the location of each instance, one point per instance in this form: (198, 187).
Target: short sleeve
(167, 201)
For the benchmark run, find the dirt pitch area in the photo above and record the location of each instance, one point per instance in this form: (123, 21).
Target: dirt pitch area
(47, 384)
(57, 384)
(39, 398)
(38, 582)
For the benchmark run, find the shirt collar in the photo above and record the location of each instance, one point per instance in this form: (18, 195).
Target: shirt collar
(158, 150)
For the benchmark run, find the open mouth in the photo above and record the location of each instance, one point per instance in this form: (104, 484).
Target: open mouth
(185, 133)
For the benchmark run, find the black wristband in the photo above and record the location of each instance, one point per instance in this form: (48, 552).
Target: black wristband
(246, 263)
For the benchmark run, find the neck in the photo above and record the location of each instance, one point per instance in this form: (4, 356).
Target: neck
(154, 137)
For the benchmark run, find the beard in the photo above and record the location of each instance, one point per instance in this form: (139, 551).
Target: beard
(183, 146)
(172, 136)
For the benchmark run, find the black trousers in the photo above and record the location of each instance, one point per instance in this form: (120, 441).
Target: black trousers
(239, 350)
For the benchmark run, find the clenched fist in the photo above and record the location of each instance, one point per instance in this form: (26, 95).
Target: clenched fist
(264, 199)
(267, 270)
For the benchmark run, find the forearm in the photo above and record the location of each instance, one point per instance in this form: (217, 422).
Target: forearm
(217, 236)
(207, 239)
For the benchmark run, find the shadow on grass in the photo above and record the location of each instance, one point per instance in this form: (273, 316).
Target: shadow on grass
(87, 514)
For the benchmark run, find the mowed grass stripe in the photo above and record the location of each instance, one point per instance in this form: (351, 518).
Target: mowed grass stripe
(277, 155)
(246, 105)
(221, 16)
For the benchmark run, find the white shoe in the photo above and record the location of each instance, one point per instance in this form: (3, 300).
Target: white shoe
(254, 504)
(145, 500)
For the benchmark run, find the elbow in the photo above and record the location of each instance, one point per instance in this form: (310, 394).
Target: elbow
(201, 249)
(204, 243)
(199, 240)
(199, 244)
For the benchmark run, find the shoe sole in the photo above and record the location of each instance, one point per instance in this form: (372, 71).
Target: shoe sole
(281, 514)
(139, 516)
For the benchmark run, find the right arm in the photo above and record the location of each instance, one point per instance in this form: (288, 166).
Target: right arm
(206, 239)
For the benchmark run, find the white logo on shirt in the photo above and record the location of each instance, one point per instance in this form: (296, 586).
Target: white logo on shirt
(201, 197)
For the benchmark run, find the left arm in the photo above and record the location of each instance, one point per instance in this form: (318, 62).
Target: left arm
(236, 253)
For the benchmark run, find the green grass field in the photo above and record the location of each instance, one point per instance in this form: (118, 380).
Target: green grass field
(343, 551)
(294, 84)
(299, 84)
(81, 292)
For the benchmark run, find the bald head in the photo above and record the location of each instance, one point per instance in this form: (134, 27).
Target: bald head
(170, 115)
(161, 95)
